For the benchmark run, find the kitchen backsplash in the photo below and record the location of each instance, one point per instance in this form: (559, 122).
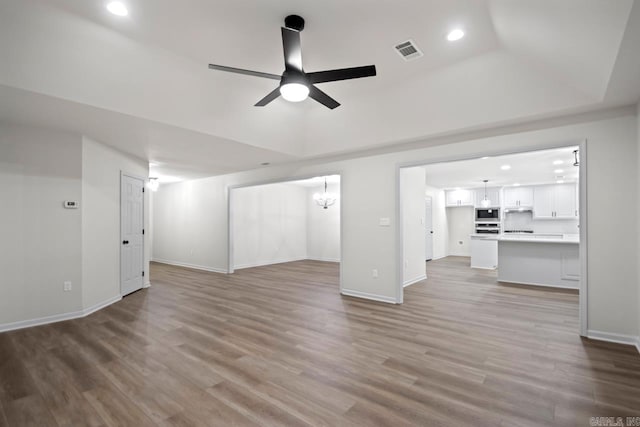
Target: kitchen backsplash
(525, 221)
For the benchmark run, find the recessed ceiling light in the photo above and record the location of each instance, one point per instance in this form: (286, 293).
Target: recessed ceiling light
(505, 167)
(454, 35)
(517, 184)
(484, 158)
(117, 8)
(558, 162)
(558, 171)
(560, 181)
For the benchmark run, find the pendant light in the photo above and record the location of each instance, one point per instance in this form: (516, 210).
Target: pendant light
(325, 199)
(485, 202)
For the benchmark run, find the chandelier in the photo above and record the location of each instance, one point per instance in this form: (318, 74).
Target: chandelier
(325, 199)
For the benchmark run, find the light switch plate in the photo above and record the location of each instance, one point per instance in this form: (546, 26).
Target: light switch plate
(385, 222)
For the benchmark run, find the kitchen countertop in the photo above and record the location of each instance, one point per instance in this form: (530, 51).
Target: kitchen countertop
(530, 237)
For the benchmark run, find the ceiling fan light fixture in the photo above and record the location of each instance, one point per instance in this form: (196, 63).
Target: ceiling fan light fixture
(294, 92)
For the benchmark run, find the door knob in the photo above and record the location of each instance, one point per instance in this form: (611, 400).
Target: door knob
(125, 242)
(431, 232)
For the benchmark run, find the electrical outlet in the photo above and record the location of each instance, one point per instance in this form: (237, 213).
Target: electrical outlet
(67, 286)
(374, 273)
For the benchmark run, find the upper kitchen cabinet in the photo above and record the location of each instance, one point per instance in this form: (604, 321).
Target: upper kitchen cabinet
(460, 197)
(555, 202)
(493, 194)
(516, 197)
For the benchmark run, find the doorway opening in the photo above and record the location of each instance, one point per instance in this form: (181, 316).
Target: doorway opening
(285, 221)
(507, 220)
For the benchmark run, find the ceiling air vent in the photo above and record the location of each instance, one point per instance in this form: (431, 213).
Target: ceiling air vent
(408, 50)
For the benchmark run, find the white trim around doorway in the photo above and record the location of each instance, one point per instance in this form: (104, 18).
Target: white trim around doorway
(582, 143)
(230, 188)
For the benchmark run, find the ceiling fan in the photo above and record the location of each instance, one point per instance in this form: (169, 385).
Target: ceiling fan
(296, 84)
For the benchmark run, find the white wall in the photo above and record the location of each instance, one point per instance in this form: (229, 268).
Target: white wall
(269, 224)
(42, 245)
(323, 226)
(440, 223)
(190, 224)
(638, 225)
(412, 189)
(39, 239)
(369, 193)
(101, 167)
(525, 221)
(460, 227)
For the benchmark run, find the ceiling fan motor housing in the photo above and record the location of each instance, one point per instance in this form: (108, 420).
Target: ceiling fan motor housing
(294, 22)
(294, 76)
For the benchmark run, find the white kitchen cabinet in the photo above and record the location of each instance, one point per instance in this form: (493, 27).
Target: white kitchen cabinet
(460, 198)
(555, 202)
(566, 206)
(516, 197)
(493, 194)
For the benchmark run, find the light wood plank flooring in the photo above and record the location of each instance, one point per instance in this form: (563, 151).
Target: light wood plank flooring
(278, 345)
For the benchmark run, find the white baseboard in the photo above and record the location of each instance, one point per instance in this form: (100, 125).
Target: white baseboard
(616, 338)
(147, 285)
(365, 295)
(324, 259)
(58, 317)
(100, 305)
(187, 265)
(438, 257)
(268, 262)
(416, 280)
(542, 285)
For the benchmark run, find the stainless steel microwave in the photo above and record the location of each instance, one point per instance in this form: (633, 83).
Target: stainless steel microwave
(487, 214)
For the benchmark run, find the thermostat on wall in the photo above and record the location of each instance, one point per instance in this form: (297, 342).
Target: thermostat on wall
(68, 204)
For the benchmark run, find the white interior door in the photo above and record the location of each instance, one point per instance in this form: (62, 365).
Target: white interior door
(132, 234)
(428, 226)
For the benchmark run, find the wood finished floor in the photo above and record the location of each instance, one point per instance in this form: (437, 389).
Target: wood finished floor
(278, 345)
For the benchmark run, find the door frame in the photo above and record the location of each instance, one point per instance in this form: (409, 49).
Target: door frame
(583, 220)
(144, 202)
(229, 191)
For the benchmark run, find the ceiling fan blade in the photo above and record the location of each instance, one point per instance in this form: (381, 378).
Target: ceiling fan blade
(292, 49)
(267, 99)
(242, 71)
(342, 74)
(322, 97)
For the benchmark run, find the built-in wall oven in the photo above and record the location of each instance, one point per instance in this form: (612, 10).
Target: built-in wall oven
(487, 227)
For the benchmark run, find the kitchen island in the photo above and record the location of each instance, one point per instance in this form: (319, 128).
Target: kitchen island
(540, 259)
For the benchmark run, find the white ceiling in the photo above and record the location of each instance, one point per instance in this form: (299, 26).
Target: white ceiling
(141, 83)
(534, 167)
